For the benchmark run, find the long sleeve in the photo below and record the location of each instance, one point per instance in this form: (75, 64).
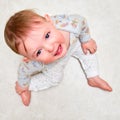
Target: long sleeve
(73, 23)
(27, 70)
(85, 32)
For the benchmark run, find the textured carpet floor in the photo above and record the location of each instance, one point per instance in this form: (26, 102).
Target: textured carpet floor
(73, 99)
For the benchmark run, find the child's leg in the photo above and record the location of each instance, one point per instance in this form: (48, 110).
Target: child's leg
(24, 93)
(90, 67)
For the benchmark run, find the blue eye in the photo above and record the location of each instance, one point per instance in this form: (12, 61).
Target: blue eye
(47, 35)
(38, 53)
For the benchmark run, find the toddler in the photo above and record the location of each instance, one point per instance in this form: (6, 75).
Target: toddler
(47, 43)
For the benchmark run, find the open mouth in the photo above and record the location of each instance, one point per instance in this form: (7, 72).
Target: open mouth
(59, 50)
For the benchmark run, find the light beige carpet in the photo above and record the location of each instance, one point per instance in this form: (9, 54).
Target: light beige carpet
(73, 99)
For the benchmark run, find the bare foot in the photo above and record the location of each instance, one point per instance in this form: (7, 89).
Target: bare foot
(26, 96)
(24, 93)
(100, 83)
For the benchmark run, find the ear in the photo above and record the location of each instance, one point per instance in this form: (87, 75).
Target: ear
(47, 17)
(25, 59)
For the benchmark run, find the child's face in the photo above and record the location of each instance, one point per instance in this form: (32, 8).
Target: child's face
(45, 44)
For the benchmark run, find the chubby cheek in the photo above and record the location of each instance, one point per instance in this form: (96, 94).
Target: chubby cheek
(46, 59)
(60, 39)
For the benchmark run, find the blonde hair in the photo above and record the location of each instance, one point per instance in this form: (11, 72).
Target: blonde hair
(18, 25)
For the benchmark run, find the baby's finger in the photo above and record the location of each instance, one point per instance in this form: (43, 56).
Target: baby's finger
(85, 51)
(92, 50)
(95, 48)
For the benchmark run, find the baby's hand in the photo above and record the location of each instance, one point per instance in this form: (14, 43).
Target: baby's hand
(89, 46)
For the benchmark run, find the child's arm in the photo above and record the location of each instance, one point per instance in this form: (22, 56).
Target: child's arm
(85, 31)
(87, 43)
(26, 70)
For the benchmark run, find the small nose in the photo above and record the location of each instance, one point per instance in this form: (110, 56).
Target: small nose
(48, 47)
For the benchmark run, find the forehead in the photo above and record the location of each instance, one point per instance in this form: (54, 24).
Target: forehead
(39, 28)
